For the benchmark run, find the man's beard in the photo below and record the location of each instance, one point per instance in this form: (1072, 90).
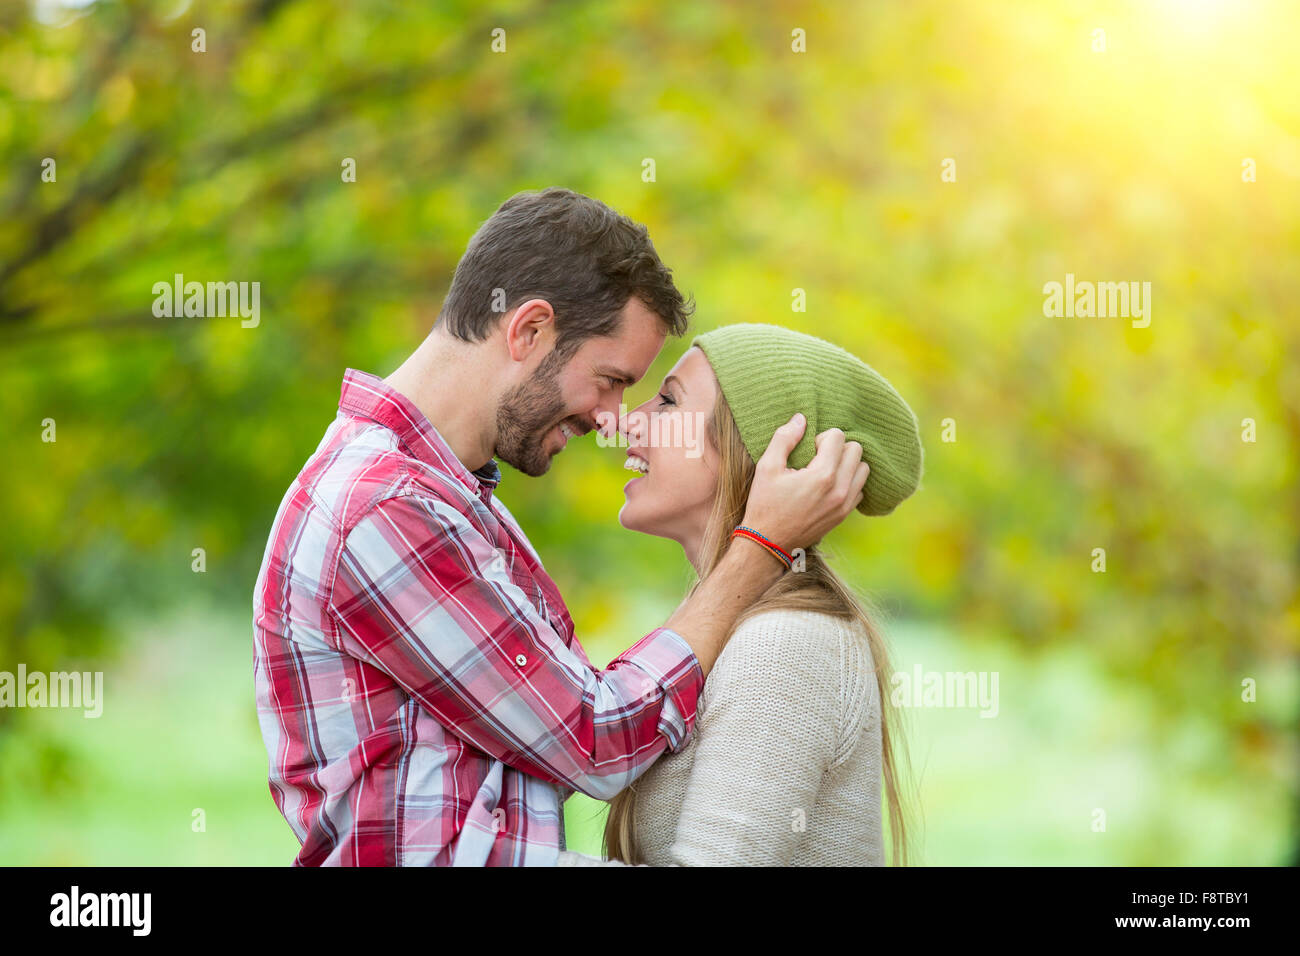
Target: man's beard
(525, 417)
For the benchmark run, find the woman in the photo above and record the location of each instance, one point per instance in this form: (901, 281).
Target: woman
(791, 742)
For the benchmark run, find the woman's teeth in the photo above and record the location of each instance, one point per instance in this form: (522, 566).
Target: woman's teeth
(633, 463)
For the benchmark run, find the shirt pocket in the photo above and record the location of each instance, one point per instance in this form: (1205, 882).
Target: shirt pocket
(532, 590)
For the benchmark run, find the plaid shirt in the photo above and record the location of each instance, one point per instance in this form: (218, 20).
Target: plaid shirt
(419, 687)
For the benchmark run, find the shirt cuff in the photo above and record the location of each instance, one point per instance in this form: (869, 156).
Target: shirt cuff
(672, 666)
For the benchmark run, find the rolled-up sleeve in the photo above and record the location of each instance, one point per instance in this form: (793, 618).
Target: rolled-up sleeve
(422, 595)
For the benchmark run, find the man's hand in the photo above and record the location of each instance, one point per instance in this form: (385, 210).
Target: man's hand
(793, 508)
(796, 507)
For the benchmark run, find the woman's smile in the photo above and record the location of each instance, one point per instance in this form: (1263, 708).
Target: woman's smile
(678, 502)
(635, 462)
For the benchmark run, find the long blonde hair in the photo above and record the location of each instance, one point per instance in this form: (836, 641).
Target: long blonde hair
(816, 588)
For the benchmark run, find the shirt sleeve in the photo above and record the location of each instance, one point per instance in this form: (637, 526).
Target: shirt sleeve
(767, 734)
(421, 595)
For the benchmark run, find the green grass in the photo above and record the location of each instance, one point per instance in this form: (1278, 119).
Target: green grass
(179, 733)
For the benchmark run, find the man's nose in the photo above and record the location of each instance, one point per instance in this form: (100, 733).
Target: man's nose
(630, 425)
(608, 419)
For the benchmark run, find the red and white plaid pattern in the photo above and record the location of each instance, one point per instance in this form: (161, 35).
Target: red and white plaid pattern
(419, 687)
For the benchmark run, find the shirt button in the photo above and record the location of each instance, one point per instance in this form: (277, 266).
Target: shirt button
(521, 660)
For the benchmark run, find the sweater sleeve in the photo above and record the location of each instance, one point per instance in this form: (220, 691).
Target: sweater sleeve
(767, 733)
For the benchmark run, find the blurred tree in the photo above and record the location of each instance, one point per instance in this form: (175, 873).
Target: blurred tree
(921, 171)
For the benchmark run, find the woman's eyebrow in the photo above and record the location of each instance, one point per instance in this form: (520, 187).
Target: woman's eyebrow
(676, 381)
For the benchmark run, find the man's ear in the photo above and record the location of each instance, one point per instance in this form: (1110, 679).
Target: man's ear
(530, 330)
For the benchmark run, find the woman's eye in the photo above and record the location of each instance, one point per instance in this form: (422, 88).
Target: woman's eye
(665, 400)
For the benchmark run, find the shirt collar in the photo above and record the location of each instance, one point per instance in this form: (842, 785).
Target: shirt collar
(367, 396)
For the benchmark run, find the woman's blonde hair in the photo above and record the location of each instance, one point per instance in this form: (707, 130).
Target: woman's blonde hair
(816, 588)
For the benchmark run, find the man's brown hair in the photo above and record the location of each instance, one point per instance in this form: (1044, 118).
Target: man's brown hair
(575, 252)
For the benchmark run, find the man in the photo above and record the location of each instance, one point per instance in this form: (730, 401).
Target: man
(421, 693)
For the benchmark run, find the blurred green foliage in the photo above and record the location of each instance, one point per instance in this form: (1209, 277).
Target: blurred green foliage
(775, 170)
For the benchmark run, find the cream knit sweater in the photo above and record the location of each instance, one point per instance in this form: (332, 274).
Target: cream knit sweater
(783, 767)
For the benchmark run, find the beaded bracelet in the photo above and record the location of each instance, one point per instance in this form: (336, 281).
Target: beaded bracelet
(776, 551)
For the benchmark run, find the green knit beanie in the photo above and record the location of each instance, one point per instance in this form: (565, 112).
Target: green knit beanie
(768, 373)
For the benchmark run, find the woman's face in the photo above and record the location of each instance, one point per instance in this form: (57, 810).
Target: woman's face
(668, 443)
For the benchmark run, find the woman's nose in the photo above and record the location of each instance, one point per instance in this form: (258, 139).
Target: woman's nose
(631, 425)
